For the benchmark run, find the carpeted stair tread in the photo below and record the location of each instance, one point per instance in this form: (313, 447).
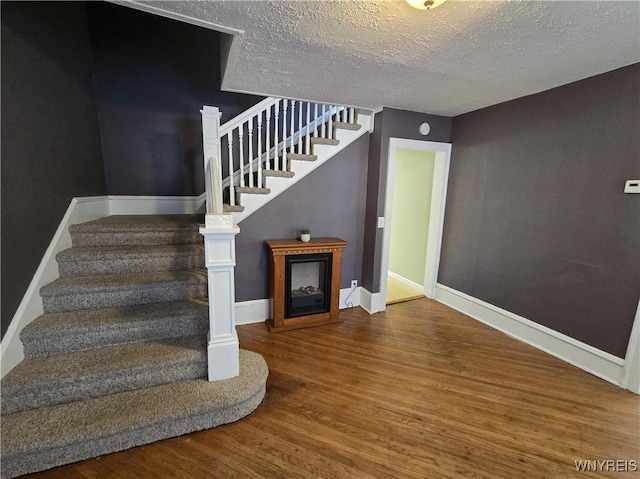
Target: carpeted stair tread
(362, 111)
(90, 328)
(137, 229)
(91, 260)
(278, 173)
(84, 253)
(301, 157)
(346, 126)
(60, 378)
(118, 290)
(316, 140)
(113, 282)
(39, 439)
(116, 223)
(232, 208)
(252, 190)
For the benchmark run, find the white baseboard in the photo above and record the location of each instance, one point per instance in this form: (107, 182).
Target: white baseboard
(81, 210)
(370, 302)
(258, 310)
(157, 205)
(349, 298)
(599, 363)
(249, 312)
(408, 282)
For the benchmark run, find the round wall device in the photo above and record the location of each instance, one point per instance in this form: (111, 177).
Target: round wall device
(424, 129)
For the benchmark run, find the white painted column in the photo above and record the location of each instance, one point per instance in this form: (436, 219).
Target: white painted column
(220, 258)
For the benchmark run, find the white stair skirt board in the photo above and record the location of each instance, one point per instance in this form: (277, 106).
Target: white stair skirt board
(80, 210)
(257, 310)
(599, 363)
(301, 169)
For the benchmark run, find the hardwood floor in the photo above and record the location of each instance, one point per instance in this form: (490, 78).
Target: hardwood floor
(420, 391)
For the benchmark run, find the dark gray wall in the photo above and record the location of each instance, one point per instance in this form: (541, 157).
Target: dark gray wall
(330, 201)
(389, 123)
(152, 77)
(536, 220)
(50, 136)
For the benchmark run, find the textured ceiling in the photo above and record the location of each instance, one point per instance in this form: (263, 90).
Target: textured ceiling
(457, 58)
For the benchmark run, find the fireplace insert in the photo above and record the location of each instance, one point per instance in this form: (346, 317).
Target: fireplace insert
(307, 284)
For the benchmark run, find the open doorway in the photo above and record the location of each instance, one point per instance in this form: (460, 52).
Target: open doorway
(414, 215)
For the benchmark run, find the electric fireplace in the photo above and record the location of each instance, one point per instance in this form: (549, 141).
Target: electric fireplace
(304, 282)
(307, 284)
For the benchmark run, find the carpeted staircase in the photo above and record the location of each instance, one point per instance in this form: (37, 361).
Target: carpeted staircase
(119, 357)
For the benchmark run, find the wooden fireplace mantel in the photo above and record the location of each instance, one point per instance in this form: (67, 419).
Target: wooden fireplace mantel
(278, 251)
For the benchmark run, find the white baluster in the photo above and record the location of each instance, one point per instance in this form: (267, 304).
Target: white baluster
(232, 196)
(330, 128)
(250, 156)
(300, 127)
(291, 133)
(268, 137)
(241, 146)
(352, 115)
(260, 149)
(308, 138)
(275, 129)
(283, 161)
(344, 115)
(315, 119)
(323, 133)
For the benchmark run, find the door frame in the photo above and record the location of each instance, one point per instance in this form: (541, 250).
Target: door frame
(436, 219)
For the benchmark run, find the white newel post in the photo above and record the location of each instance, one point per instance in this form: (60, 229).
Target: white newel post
(220, 258)
(212, 160)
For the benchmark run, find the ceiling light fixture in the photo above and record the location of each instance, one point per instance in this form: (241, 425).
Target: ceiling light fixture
(425, 4)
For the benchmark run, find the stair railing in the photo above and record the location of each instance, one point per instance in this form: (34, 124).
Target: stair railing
(262, 138)
(272, 136)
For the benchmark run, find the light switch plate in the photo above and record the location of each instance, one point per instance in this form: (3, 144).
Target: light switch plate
(632, 186)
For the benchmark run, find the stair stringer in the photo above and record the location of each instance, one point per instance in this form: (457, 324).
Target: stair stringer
(253, 203)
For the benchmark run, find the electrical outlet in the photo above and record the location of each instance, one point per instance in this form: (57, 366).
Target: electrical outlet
(354, 283)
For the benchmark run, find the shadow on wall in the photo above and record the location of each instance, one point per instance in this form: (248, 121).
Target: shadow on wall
(150, 84)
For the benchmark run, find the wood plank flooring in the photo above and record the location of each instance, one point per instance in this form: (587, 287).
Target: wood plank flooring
(420, 391)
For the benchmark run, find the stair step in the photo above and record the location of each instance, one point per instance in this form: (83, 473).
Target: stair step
(232, 209)
(138, 230)
(68, 377)
(362, 111)
(252, 190)
(118, 290)
(92, 260)
(91, 328)
(43, 438)
(316, 140)
(278, 173)
(346, 126)
(301, 156)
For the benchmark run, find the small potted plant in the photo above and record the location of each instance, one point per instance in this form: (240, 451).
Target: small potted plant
(305, 235)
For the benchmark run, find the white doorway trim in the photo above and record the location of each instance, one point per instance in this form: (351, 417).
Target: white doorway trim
(436, 221)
